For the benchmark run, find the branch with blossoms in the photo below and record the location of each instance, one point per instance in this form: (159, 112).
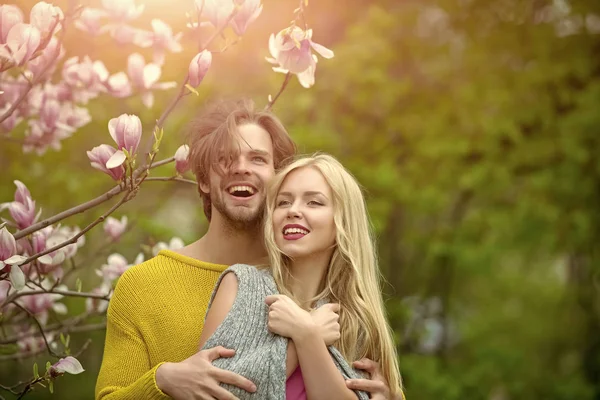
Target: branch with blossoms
(50, 94)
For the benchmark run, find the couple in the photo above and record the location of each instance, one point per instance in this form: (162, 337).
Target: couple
(278, 308)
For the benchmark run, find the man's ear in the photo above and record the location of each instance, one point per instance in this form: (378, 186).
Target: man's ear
(204, 187)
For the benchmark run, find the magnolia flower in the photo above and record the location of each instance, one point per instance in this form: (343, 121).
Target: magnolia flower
(33, 344)
(9, 258)
(126, 131)
(89, 20)
(247, 14)
(162, 40)
(181, 158)
(86, 77)
(291, 51)
(199, 67)
(22, 193)
(114, 228)
(21, 43)
(118, 85)
(100, 155)
(46, 18)
(58, 236)
(122, 10)
(144, 77)
(10, 15)
(94, 305)
(68, 365)
(115, 267)
(217, 11)
(46, 62)
(40, 304)
(174, 244)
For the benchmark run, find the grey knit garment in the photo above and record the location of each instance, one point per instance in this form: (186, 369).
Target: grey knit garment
(260, 355)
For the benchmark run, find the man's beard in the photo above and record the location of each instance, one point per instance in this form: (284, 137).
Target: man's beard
(238, 218)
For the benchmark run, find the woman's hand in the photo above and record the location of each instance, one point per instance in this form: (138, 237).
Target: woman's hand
(327, 319)
(287, 319)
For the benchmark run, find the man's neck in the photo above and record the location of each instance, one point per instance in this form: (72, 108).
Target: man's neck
(223, 244)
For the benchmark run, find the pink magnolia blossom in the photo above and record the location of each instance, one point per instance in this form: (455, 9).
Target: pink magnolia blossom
(56, 236)
(144, 77)
(174, 244)
(126, 131)
(45, 64)
(10, 15)
(113, 228)
(115, 267)
(46, 18)
(181, 159)
(217, 11)
(33, 344)
(23, 214)
(22, 42)
(247, 14)
(291, 52)
(22, 193)
(199, 67)
(69, 365)
(122, 10)
(162, 40)
(40, 304)
(9, 258)
(118, 85)
(89, 20)
(100, 155)
(87, 77)
(93, 305)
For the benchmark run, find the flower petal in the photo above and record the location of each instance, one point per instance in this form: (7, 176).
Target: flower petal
(116, 160)
(17, 278)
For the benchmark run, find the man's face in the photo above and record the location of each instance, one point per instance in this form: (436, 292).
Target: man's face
(239, 195)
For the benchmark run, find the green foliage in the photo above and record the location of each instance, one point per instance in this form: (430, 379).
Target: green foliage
(473, 128)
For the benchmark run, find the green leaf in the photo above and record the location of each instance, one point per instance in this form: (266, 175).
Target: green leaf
(62, 339)
(36, 373)
(48, 365)
(8, 349)
(78, 284)
(51, 386)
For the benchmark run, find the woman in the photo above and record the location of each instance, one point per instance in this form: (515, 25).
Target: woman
(320, 250)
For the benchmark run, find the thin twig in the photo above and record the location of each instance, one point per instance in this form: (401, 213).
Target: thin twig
(173, 178)
(42, 333)
(74, 239)
(286, 80)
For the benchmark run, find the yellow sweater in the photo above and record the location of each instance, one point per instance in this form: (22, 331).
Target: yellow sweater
(156, 315)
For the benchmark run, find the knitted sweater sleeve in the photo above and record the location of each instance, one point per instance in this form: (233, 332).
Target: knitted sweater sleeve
(260, 355)
(126, 372)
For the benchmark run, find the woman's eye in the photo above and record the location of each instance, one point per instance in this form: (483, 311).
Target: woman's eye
(283, 203)
(314, 203)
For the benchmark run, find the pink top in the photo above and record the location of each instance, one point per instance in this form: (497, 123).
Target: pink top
(294, 386)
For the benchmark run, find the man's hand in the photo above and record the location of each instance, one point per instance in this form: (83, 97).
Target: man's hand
(377, 385)
(327, 319)
(195, 378)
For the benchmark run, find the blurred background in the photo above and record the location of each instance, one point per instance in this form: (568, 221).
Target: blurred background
(474, 127)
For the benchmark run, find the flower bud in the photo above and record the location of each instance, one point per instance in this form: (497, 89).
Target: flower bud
(199, 67)
(181, 158)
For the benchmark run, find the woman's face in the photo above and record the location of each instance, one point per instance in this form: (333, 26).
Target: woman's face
(303, 216)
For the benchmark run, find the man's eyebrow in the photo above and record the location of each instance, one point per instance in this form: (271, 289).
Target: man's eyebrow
(260, 152)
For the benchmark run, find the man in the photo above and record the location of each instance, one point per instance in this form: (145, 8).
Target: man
(156, 314)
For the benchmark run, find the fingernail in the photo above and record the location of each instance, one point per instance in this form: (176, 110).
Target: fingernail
(253, 388)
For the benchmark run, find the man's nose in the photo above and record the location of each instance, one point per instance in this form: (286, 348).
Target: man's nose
(240, 166)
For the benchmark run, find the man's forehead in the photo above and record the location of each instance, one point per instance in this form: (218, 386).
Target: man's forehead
(252, 138)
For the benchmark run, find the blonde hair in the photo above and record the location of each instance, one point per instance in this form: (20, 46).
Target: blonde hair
(352, 278)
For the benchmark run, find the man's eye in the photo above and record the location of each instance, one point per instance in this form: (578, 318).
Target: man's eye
(259, 160)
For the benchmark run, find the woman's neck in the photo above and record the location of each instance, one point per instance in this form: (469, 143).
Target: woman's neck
(308, 274)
